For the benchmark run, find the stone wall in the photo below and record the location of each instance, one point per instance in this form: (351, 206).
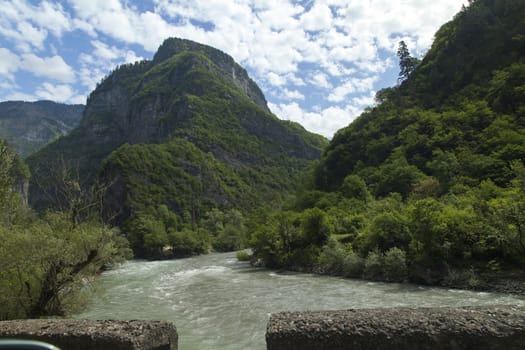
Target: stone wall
(480, 328)
(95, 335)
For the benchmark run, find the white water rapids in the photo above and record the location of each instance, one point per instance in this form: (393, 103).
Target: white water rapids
(217, 302)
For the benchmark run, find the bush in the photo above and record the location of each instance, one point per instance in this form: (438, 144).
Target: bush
(243, 255)
(339, 259)
(227, 240)
(332, 258)
(186, 243)
(462, 278)
(395, 265)
(353, 265)
(373, 265)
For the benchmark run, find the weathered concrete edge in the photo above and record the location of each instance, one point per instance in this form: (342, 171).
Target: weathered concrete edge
(92, 334)
(490, 327)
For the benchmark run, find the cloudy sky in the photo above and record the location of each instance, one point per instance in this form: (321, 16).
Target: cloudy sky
(319, 62)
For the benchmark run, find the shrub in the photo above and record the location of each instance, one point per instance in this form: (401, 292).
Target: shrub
(373, 265)
(353, 265)
(462, 278)
(332, 258)
(227, 240)
(243, 255)
(186, 243)
(395, 265)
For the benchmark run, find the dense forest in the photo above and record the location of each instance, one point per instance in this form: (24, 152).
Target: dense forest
(428, 185)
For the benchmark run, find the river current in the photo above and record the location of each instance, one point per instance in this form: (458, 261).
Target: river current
(217, 302)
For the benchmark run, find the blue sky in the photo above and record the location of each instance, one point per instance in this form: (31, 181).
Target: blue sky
(318, 62)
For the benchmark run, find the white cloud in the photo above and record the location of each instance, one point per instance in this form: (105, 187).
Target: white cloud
(59, 93)
(121, 22)
(292, 95)
(50, 16)
(9, 63)
(29, 33)
(49, 67)
(28, 25)
(103, 51)
(319, 79)
(325, 122)
(318, 18)
(354, 85)
(20, 96)
(24, 35)
(276, 79)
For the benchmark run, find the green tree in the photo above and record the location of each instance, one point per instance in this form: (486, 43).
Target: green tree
(386, 230)
(315, 227)
(147, 235)
(407, 63)
(355, 187)
(395, 265)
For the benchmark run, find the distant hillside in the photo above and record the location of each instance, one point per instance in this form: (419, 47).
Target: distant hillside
(189, 131)
(29, 126)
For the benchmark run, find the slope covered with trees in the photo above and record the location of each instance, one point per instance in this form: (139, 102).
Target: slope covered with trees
(429, 183)
(171, 139)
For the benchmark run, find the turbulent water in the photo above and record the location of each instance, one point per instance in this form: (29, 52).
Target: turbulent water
(217, 302)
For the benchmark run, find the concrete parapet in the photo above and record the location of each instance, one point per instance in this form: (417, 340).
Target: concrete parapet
(480, 328)
(95, 335)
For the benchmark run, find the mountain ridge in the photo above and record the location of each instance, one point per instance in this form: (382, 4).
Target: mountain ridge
(29, 126)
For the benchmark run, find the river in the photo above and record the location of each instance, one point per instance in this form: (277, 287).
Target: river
(217, 302)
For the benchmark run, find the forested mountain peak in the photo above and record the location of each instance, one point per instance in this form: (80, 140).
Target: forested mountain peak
(188, 130)
(230, 69)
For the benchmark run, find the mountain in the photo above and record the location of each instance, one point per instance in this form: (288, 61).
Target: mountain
(29, 126)
(463, 108)
(188, 131)
(429, 184)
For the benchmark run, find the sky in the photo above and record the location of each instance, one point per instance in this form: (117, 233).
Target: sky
(318, 62)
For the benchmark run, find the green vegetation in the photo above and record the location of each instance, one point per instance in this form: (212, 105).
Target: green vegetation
(44, 261)
(428, 185)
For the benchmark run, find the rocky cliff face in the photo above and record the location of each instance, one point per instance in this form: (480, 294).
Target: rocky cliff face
(29, 126)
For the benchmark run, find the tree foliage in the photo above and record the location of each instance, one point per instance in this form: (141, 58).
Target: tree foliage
(407, 63)
(45, 261)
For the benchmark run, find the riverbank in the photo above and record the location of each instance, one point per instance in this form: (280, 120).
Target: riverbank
(512, 282)
(493, 284)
